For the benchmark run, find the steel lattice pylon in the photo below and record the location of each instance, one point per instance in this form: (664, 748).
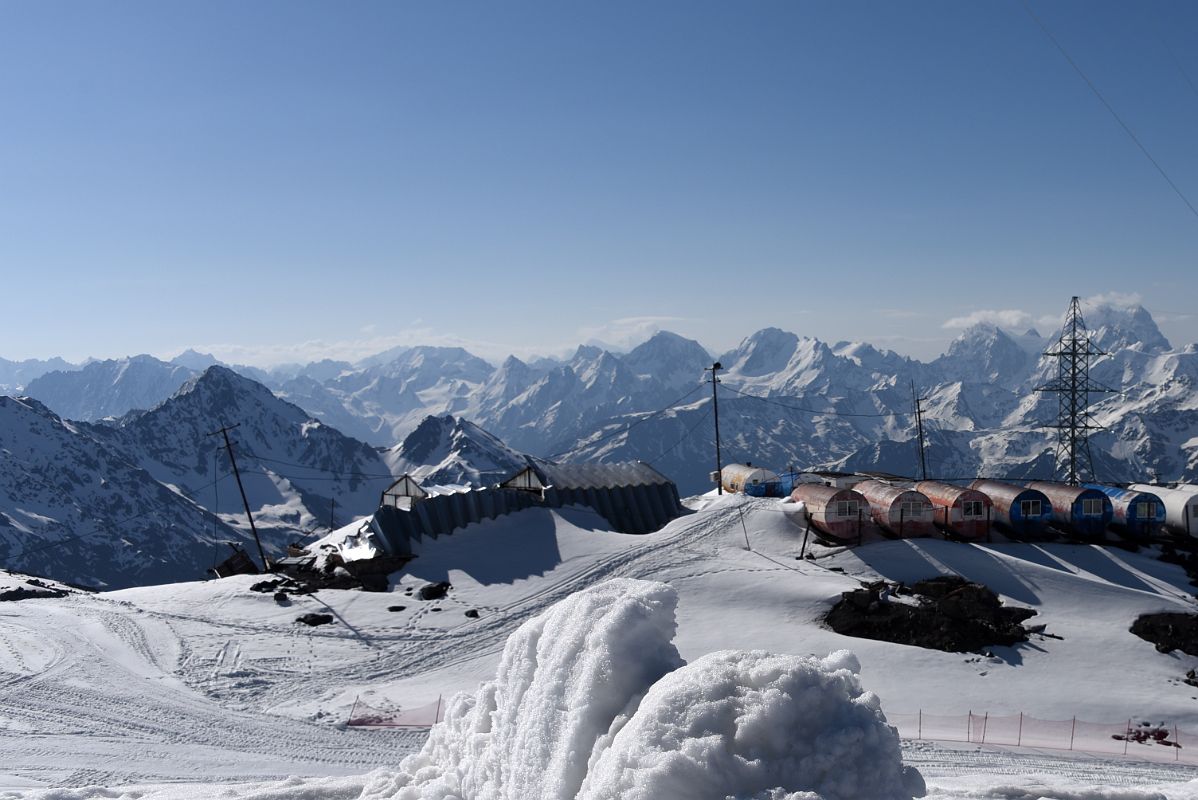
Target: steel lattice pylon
(1073, 388)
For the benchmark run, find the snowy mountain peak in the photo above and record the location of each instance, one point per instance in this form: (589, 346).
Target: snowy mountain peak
(1115, 328)
(673, 360)
(193, 359)
(450, 450)
(767, 351)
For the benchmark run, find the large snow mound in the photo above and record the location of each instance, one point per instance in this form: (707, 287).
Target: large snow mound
(591, 701)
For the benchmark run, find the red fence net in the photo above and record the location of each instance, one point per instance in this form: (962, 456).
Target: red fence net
(364, 715)
(1139, 739)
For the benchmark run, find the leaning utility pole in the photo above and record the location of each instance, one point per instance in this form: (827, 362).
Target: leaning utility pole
(918, 402)
(715, 407)
(1073, 388)
(224, 431)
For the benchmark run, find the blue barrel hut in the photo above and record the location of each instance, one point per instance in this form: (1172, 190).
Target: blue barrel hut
(1016, 509)
(1076, 509)
(1137, 512)
(1181, 506)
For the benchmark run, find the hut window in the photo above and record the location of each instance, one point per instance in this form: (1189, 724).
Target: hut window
(1145, 509)
(1029, 508)
(913, 508)
(973, 508)
(846, 508)
(1092, 507)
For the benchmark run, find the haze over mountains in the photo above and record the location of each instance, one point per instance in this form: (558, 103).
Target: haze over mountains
(333, 433)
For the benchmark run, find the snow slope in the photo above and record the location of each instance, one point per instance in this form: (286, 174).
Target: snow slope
(210, 679)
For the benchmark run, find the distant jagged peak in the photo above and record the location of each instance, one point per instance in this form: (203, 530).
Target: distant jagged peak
(194, 359)
(767, 351)
(586, 352)
(1113, 326)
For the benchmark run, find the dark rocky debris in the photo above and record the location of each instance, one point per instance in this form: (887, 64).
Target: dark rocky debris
(952, 615)
(315, 619)
(1169, 631)
(434, 591)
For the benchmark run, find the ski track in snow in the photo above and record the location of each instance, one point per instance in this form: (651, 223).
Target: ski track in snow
(103, 690)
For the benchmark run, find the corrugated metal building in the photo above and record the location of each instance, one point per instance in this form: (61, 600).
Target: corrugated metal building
(903, 512)
(1139, 513)
(632, 496)
(750, 480)
(1083, 511)
(1181, 506)
(959, 511)
(1017, 509)
(840, 513)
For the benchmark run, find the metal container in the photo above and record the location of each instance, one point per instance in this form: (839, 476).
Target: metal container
(1181, 507)
(1016, 509)
(1077, 509)
(903, 512)
(840, 513)
(750, 480)
(1139, 513)
(957, 510)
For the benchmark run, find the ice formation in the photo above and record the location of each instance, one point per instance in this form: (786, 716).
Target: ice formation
(592, 702)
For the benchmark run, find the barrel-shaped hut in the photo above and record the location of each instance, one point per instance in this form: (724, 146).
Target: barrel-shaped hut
(1181, 507)
(962, 512)
(903, 512)
(1016, 509)
(839, 513)
(1139, 513)
(1077, 509)
(750, 480)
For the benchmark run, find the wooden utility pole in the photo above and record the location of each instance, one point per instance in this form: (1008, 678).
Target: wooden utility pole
(715, 407)
(224, 431)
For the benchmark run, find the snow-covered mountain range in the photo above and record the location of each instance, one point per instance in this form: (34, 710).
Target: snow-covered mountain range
(334, 433)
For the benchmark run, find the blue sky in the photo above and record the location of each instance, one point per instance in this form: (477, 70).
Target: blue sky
(280, 181)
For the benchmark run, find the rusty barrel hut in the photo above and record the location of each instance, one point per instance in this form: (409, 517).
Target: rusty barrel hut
(750, 480)
(962, 512)
(1076, 509)
(1016, 509)
(903, 512)
(1181, 507)
(839, 513)
(1139, 513)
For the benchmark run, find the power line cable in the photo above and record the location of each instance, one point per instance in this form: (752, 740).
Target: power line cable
(1110, 108)
(816, 412)
(613, 434)
(685, 436)
(59, 542)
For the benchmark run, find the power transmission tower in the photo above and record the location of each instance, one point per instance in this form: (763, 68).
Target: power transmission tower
(715, 406)
(918, 403)
(224, 431)
(1073, 388)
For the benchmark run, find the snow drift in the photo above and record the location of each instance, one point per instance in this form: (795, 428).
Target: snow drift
(592, 701)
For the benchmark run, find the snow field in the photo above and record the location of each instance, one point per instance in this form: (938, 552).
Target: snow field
(211, 682)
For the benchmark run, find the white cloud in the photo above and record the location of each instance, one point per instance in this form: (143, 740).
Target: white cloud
(1115, 299)
(1005, 318)
(626, 332)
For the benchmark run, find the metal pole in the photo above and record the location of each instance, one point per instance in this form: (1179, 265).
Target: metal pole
(715, 407)
(1019, 736)
(224, 431)
(806, 533)
(919, 735)
(916, 400)
(1072, 733)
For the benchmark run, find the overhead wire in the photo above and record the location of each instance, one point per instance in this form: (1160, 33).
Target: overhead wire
(613, 434)
(59, 542)
(1126, 128)
(685, 436)
(816, 412)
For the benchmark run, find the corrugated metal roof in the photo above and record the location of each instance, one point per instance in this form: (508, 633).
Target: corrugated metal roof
(599, 476)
